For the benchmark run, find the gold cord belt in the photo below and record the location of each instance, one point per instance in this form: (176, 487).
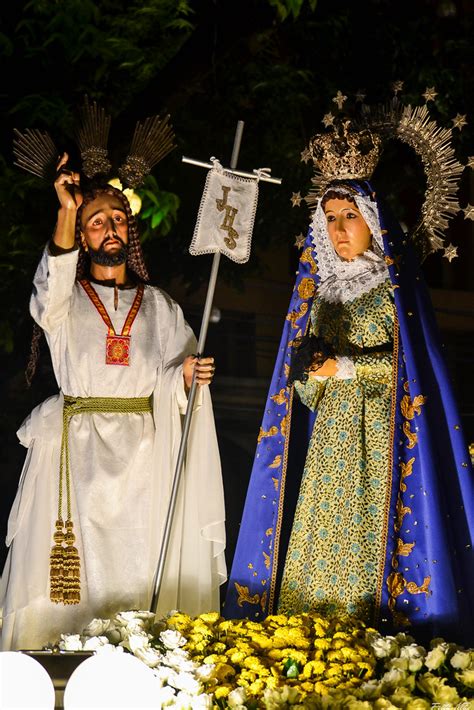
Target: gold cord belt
(65, 585)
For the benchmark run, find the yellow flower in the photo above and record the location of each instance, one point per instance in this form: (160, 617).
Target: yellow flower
(335, 655)
(306, 686)
(295, 655)
(322, 643)
(257, 687)
(333, 671)
(236, 656)
(320, 687)
(211, 617)
(215, 658)
(276, 620)
(349, 667)
(222, 691)
(261, 641)
(314, 668)
(223, 671)
(218, 647)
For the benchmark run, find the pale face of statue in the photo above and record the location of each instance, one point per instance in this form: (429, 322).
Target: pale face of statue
(347, 229)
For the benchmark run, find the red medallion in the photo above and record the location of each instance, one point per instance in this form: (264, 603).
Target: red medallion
(117, 350)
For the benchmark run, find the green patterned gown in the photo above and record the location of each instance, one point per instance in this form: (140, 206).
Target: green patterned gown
(336, 548)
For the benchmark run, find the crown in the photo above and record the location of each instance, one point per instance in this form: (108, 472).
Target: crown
(345, 153)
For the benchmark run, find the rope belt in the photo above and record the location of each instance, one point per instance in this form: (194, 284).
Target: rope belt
(65, 585)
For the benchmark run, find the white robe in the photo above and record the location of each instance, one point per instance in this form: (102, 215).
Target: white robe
(121, 469)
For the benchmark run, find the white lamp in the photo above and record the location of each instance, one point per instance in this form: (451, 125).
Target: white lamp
(24, 683)
(111, 680)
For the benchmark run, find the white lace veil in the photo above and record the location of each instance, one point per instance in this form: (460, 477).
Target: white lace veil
(343, 280)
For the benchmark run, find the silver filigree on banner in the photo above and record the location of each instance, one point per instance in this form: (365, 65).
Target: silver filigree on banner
(226, 215)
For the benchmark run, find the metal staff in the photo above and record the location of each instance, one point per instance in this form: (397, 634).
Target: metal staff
(157, 581)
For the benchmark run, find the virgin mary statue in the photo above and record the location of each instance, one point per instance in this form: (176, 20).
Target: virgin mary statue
(360, 499)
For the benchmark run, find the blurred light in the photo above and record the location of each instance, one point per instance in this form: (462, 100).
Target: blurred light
(24, 683)
(111, 680)
(215, 315)
(134, 200)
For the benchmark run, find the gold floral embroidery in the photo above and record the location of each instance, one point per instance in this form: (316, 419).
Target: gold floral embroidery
(281, 397)
(275, 483)
(396, 584)
(401, 511)
(306, 288)
(296, 315)
(307, 258)
(244, 595)
(407, 470)
(283, 425)
(262, 433)
(422, 589)
(263, 601)
(269, 532)
(404, 548)
(411, 407)
(411, 436)
(267, 560)
(276, 462)
(287, 370)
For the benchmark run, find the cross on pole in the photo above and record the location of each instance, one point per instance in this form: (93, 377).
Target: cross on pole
(257, 175)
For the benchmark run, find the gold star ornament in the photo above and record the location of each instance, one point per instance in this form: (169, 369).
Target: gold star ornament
(430, 94)
(469, 212)
(450, 252)
(305, 155)
(300, 240)
(397, 86)
(459, 121)
(328, 120)
(339, 99)
(296, 199)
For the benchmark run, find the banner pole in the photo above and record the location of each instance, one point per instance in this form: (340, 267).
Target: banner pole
(158, 577)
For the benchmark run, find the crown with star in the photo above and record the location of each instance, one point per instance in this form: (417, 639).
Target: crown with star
(345, 153)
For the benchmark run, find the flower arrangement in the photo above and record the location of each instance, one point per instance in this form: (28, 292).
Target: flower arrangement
(301, 661)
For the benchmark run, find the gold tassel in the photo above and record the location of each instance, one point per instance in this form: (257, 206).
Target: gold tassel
(56, 564)
(72, 568)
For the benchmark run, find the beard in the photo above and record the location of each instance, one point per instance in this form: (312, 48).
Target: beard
(102, 258)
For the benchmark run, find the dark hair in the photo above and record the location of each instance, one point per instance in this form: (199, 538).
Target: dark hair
(135, 261)
(333, 194)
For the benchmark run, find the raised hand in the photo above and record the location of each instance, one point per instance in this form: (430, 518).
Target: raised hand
(67, 185)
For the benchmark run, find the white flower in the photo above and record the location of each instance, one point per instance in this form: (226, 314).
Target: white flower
(172, 639)
(70, 642)
(371, 689)
(415, 656)
(394, 677)
(203, 702)
(151, 656)
(466, 677)
(97, 627)
(95, 642)
(236, 698)
(435, 658)
(445, 693)
(385, 646)
(179, 660)
(188, 683)
(204, 672)
(280, 697)
(166, 675)
(136, 641)
(400, 663)
(115, 634)
(418, 704)
(461, 660)
(384, 704)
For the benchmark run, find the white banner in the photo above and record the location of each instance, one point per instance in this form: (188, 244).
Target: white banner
(226, 215)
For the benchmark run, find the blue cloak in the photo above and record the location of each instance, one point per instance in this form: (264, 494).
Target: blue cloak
(426, 579)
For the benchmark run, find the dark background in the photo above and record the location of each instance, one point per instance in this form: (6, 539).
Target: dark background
(276, 64)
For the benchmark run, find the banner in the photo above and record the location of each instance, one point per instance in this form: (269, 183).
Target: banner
(226, 215)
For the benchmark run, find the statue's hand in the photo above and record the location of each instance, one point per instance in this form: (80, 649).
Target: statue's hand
(204, 368)
(67, 185)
